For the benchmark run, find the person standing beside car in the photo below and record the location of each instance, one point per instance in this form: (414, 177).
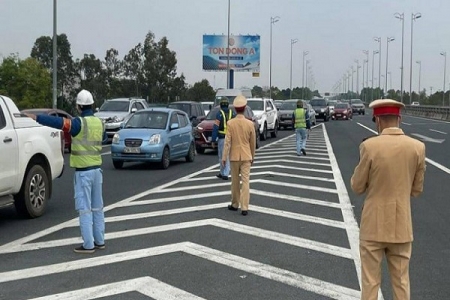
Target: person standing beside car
(218, 135)
(300, 119)
(240, 147)
(88, 134)
(390, 171)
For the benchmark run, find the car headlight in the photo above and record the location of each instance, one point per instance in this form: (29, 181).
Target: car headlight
(118, 119)
(199, 128)
(322, 110)
(155, 139)
(345, 112)
(116, 138)
(259, 117)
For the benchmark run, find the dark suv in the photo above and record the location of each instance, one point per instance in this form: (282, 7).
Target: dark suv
(193, 109)
(321, 108)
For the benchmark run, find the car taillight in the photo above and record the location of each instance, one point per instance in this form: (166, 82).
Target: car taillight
(61, 135)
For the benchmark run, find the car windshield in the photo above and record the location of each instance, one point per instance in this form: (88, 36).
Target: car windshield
(213, 112)
(256, 104)
(206, 106)
(186, 107)
(341, 105)
(332, 103)
(148, 119)
(288, 105)
(115, 106)
(318, 102)
(356, 101)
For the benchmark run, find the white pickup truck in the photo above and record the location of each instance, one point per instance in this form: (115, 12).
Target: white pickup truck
(31, 156)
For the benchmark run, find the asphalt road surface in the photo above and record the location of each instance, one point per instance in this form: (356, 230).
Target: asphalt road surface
(170, 236)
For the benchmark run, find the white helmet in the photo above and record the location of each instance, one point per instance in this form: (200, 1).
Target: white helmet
(85, 98)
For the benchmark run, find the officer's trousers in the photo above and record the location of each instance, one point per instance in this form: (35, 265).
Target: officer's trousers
(397, 256)
(89, 204)
(240, 195)
(224, 170)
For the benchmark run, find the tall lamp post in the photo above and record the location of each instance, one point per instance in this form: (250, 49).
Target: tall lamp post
(366, 52)
(55, 52)
(445, 67)
(378, 39)
(401, 17)
(228, 48)
(303, 74)
(273, 20)
(420, 72)
(357, 76)
(389, 39)
(413, 18)
(373, 69)
(306, 73)
(293, 41)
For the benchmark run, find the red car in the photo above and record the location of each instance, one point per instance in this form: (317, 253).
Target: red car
(203, 131)
(342, 111)
(56, 113)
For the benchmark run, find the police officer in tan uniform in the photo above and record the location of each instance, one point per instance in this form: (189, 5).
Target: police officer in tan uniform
(390, 171)
(240, 147)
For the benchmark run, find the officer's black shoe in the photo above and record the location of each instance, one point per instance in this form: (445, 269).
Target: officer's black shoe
(303, 151)
(219, 175)
(225, 177)
(245, 212)
(231, 207)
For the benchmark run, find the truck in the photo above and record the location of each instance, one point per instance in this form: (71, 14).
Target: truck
(32, 156)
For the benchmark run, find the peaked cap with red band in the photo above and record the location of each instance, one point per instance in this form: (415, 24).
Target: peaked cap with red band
(239, 103)
(386, 107)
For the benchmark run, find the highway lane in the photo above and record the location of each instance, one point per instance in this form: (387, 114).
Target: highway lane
(430, 264)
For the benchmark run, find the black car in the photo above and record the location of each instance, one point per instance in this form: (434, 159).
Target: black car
(193, 109)
(321, 108)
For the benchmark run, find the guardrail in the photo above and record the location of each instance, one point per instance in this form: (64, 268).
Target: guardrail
(428, 111)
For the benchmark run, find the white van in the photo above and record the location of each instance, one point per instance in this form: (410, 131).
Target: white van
(231, 94)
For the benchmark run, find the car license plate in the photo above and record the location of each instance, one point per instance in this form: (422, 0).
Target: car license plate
(338, 115)
(209, 138)
(132, 150)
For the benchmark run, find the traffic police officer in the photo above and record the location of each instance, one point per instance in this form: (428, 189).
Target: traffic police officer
(87, 134)
(390, 172)
(218, 135)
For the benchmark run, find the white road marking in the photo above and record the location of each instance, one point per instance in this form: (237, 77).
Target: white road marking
(299, 161)
(409, 124)
(253, 267)
(148, 286)
(425, 138)
(441, 132)
(428, 160)
(269, 155)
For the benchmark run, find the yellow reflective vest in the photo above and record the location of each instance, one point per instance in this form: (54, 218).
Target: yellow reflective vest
(300, 120)
(87, 144)
(230, 114)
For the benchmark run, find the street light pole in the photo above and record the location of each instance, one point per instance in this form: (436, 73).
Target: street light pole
(389, 39)
(445, 67)
(420, 72)
(357, 76)
(55, 57)
(303, 74)
(273, 20)
(373, 68)
(413, 18)
(402, 18)
(228, 48)
(378, 39)
(293, 41)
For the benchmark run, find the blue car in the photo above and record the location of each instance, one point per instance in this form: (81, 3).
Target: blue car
(154, 135)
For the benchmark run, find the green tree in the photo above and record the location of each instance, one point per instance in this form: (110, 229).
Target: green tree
(26, 82)
(201, 91)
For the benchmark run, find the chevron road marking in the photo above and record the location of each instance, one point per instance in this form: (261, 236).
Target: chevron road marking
(287, 277)
(147, 286)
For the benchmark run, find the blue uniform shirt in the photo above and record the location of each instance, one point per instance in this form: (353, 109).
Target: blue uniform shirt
(58, 123)
(215, 132)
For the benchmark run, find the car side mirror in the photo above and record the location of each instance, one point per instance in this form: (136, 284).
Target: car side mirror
(174, 126)
(133, 110)
(122, 125)
(97, 109)
(193, 118)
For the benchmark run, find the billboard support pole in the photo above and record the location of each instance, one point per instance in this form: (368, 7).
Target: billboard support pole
(228, 49)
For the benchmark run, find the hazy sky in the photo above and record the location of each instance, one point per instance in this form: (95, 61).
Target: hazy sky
(335, 32)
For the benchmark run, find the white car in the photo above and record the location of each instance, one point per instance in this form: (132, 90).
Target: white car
(415, 104)
(207, 106)
(267, 115)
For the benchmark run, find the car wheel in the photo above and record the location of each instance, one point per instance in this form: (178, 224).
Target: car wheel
(364, 113)
(32, 198)
(191, 153)
(264, 134)
(200, 150)
(275, 131)
(165, 160)
(118, 164)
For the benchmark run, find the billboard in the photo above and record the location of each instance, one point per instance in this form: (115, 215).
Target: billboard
(244, 52)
